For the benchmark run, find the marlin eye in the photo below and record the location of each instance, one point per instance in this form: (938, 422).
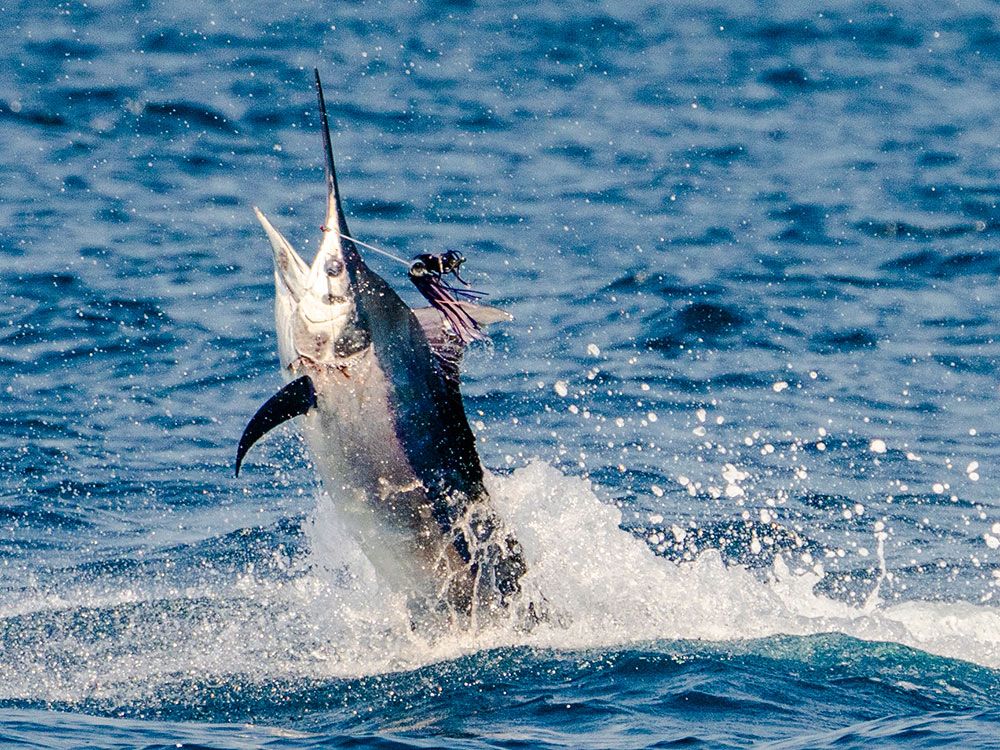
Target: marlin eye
(334, 267)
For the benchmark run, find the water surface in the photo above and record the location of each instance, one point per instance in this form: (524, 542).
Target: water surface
(742, 422)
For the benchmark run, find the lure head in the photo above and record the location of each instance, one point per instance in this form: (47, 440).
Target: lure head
(436, 264)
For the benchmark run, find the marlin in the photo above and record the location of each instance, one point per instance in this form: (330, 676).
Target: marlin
(377, 387)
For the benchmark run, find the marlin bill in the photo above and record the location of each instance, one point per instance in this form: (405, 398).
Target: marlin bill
(377, 386)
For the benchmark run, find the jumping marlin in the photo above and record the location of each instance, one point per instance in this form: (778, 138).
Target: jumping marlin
(377, 385)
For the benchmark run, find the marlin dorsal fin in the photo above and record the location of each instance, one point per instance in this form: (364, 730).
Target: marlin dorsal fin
(448, 344)
(445, 345)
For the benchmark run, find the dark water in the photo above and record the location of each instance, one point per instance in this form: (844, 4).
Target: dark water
(744, 421)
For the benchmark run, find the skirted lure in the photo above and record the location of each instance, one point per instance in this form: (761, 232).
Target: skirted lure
(427, 273)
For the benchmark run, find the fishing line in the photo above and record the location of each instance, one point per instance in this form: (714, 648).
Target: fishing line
(372, 247)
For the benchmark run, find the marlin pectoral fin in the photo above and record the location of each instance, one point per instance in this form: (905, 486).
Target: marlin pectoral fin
(484, 314)
(294, 399)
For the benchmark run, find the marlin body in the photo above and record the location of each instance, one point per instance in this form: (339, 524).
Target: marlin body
(377, 386)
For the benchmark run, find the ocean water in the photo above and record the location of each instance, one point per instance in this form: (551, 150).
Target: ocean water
(744, 420)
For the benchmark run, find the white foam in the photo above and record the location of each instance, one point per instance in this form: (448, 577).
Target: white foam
(332, 617)
(606, 588)
(613, 590)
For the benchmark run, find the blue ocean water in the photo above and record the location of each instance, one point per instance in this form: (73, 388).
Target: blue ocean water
(743, 422)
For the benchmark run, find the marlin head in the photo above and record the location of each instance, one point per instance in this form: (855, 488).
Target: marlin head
(315, 304)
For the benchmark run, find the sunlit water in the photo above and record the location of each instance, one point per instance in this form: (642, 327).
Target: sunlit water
(743, 422)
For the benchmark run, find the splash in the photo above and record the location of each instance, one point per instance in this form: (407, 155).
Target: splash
(612, 589)
(606, 588)
(328, 616)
